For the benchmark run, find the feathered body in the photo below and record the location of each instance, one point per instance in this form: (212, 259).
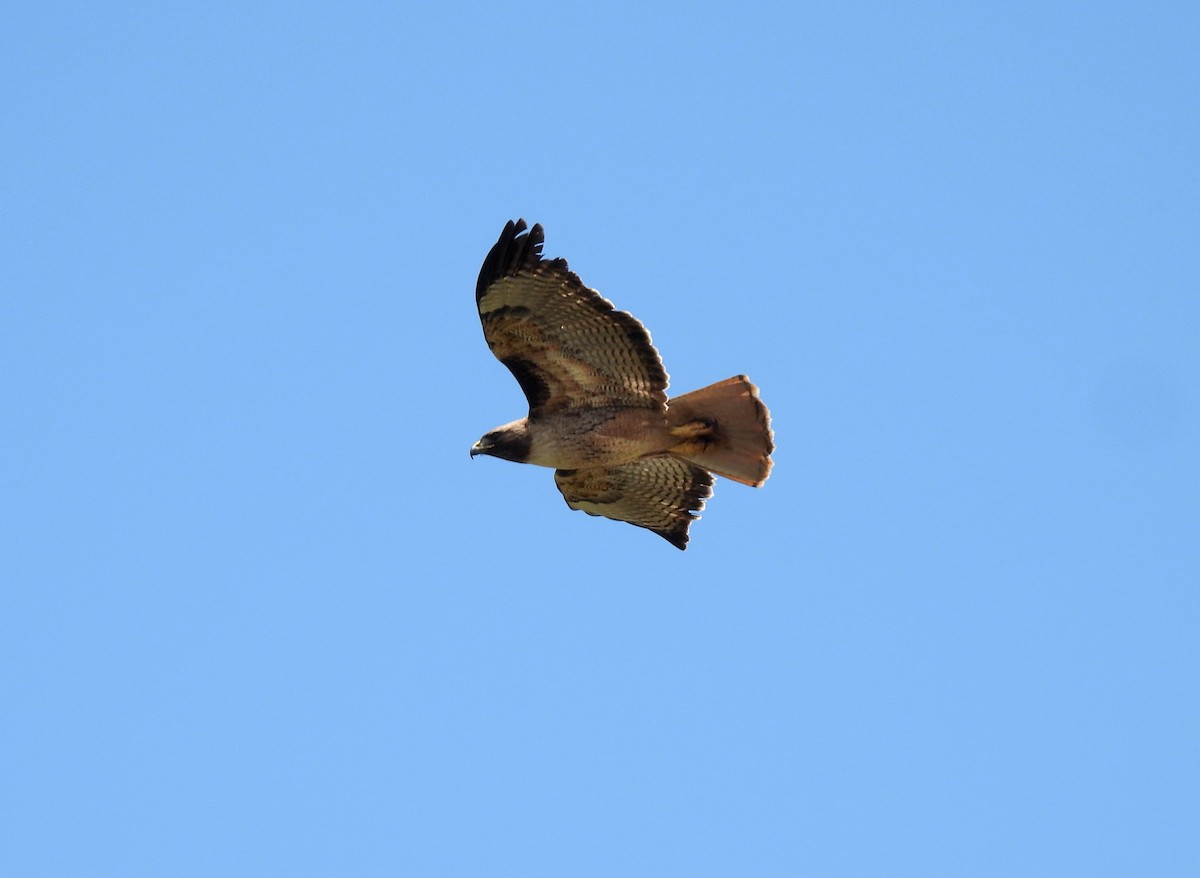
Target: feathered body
(598, 409)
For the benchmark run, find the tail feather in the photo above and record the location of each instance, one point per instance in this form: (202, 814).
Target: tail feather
(724, 428)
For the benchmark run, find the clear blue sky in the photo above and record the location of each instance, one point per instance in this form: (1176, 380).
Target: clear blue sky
(260, 614)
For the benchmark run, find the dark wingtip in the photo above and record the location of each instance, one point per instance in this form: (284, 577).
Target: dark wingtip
(700, 490)
(677, 538)
(512, 252)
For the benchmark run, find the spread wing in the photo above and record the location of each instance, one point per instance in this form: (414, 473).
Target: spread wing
(562, 341)
(664, 494)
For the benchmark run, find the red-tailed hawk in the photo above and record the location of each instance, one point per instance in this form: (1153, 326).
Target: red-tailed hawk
(598, 409)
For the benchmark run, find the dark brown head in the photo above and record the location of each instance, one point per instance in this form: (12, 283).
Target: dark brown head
(510, 442)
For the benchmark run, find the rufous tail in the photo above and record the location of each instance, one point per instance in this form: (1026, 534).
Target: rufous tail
(725, 429)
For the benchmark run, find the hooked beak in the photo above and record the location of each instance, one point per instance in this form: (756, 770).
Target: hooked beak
(480, 447)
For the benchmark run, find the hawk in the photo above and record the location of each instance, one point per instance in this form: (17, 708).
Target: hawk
(598, 409)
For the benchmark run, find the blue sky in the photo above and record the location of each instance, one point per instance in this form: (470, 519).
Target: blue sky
(260, 614)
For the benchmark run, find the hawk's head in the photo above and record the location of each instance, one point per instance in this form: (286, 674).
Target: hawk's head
(510, 442)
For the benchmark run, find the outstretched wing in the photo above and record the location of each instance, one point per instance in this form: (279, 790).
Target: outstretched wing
(562, 341)
(664, 494)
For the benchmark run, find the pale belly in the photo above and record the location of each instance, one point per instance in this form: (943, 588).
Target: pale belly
(596, 438)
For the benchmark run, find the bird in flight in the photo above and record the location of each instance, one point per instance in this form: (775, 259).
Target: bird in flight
(599, 415)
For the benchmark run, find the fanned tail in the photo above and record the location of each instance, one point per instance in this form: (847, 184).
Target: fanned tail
(724, 428)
